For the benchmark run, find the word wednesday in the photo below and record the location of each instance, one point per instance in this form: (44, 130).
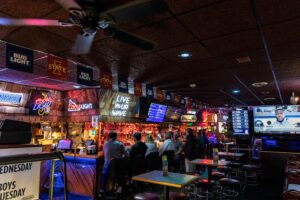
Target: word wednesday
(4, 169)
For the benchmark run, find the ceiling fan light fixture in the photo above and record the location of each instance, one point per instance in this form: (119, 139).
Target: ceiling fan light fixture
(184, 54)
(193, 85)
(260, 84)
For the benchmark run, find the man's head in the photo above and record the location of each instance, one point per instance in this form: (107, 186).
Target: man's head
(189, 131)
(137, 137)
(112, 135)
(169, 135)
(279, 113)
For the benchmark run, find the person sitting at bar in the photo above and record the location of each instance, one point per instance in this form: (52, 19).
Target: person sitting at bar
(151, 146)
(139, 148)
(167, 145)
(111, 149)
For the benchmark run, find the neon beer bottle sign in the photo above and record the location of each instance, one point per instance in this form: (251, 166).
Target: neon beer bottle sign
(42, 105)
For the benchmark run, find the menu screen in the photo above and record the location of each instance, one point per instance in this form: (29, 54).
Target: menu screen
(156, 113)
(240, 121)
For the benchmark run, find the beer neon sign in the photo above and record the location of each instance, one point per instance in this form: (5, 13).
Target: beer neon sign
(42, 105)
(74, 107)
(11, 98)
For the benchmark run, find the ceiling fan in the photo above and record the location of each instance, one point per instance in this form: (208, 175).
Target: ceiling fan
(91, 16)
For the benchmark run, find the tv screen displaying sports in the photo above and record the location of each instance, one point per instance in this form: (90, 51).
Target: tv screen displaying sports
(156, 112)
(240, 121)
(173, 114)
(277, 119)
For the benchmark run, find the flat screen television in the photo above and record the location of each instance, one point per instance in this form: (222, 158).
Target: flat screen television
(240, 121)
(156, 113)
(277, 119)
(173, 114)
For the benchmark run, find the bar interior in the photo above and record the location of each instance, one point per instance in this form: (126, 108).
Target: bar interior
(149, 100)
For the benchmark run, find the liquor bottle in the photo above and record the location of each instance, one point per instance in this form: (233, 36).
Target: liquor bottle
(164, 165)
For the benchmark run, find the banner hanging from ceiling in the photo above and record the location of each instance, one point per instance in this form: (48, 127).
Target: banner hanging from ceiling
(19, 58)
(168, 96)
(138, 90)
(105, 80)
(159, 95)
(84, 75)
(149, 92)
(57, 68)
(176, 99)
(123, 84)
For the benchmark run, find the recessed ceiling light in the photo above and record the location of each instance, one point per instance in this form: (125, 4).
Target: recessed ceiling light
(244, 59)
(269, 99)
(193, 85)
(76, 86)
(236, 91)
(184, 54)
(260, 84)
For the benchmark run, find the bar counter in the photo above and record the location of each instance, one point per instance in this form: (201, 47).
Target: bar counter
(83, 174)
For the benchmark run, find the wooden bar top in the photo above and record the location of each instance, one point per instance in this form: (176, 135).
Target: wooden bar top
(9, 146)
(95, 156)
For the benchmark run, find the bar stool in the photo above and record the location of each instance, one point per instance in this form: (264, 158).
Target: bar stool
(177, 196)
(230, 188)
(235, 169)
(203, 189)
(146, 196)
(215, 177)
(250, 175)
(224, 169)
(291, 194)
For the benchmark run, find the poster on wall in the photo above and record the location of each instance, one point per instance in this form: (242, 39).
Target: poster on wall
(84, 75)
(20, 181)
(118, 104)
(138, 91)
(41, 102)
(19, 58)
(123, 84)
(105, 80)
(57, 68)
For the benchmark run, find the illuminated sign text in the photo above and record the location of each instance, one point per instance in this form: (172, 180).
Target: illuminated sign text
(121, 106)
(74, 107)
(12, 98)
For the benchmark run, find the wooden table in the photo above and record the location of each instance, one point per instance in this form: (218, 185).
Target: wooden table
(230, 154)
(170, 180)
(209, 164)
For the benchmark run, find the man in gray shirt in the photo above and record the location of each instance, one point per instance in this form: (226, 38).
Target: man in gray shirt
(111, 149)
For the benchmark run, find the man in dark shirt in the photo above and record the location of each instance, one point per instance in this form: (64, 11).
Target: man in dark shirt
(139, 148)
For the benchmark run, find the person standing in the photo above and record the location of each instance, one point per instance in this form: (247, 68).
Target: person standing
(111, 149)
(167, 145)
(189, 150)
(151, 146)
(178, 149)
(139, 148)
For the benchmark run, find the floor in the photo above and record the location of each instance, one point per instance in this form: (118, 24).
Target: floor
(265, 191)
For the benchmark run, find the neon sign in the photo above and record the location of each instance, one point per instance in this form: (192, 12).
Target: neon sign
(121, 106)
(42, 105)
(74, 107)
(11, 98)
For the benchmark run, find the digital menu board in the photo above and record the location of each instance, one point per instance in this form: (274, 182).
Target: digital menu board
(240, 121)
(156, 112)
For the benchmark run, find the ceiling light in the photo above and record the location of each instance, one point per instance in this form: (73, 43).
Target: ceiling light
(269, 99)
(193, 85)
(76, 86)
(259, 84)
(242, 60)
(184, 54)
(236, 91)
(265, 92)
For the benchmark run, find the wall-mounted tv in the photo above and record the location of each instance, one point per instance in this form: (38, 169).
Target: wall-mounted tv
(173, 114)
(240, 121)
(277, 119)
(156, 113)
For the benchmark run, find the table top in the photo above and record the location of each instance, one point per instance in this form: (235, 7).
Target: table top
(230, 154)
(171, 179)
(209, 162)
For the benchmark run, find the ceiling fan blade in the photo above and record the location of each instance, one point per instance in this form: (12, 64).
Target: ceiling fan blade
(31, 22)
(130, 38)
(83, 43)
(136, 9)
(69, 5)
